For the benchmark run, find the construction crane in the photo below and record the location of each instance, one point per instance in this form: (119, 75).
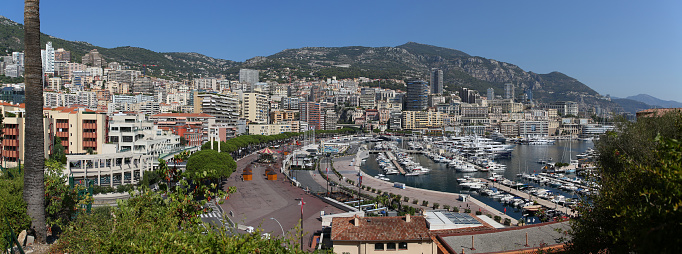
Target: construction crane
(144, 66)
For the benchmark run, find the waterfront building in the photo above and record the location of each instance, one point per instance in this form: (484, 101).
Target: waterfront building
(133, 132)
(412, 120)
(534, 128)
(271, 129)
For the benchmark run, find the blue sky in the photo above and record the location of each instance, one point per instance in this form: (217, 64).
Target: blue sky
(620, 48)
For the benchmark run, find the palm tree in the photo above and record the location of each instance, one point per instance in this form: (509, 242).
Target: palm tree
(34, 163)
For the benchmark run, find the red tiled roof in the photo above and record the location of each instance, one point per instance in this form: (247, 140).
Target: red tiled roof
(380, 229)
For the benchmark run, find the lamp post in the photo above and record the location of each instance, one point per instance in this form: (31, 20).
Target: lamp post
(301, 203)
(280, 226)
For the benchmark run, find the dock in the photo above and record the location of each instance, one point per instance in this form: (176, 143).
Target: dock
(543, 202)
(395, 162)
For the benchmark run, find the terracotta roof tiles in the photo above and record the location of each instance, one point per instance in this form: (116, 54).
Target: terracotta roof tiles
(380, 229)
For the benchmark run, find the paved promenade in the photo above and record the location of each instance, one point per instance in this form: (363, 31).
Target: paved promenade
(256, 201)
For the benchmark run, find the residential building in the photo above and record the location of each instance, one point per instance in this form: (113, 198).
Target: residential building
(277, 116)
(509, 91)
(248, 76)
(421, 119)
(534, 128)
(393, 234)
(80, 129)
(14, 134)
(255, 107)
(313, 114)
(270, 129)
(193, 127)
(93, 58)
(133, 132)
(224, 107)
(48, 57)
(417, 95)
(436, 81)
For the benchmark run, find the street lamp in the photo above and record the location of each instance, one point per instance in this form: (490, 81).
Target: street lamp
(280, 226)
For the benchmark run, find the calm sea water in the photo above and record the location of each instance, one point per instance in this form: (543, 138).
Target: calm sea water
(523, 160)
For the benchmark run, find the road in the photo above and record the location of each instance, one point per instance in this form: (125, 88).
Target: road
(256, 201)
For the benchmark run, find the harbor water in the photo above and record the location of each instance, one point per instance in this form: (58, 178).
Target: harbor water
(523, 160)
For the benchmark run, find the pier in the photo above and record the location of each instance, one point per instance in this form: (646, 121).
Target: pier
(540, 201)
(395, 162)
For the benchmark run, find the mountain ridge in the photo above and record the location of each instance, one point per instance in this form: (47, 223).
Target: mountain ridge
(407, 61)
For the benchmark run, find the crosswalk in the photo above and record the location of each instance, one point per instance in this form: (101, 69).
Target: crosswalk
(211, 215)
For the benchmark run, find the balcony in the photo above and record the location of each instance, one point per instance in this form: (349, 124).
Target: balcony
(61, 125)
(89, 144)
(89, 126)
(10, 142)
(10, 154)
(89, 134)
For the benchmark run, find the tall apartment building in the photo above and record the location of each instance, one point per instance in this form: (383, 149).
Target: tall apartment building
(436, 81)
(193, 127)
(368, 98)
(490, 95)
(248, 76)
(417, 95)
(255, 107)
(313, 114)
(79, 129)
(224, 107)
(509, 91)
(48, 57)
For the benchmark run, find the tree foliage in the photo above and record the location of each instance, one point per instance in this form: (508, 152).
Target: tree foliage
(638, 207)
(209, 164)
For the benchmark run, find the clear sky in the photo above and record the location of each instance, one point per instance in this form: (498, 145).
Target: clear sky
(620, 48)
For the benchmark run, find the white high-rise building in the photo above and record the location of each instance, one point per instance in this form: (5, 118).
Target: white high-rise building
(48, 58)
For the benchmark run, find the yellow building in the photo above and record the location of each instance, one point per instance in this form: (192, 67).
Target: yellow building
(255, 107)
(15, 135)
(422, 119)
(269, 129)
(79, 129)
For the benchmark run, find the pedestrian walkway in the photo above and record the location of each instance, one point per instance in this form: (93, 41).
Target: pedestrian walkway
(211, 215)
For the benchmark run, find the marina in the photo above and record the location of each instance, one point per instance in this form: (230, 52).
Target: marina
(520, 168)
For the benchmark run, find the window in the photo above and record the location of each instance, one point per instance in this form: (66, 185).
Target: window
(378, 246)
(390, 246)
(402, 246)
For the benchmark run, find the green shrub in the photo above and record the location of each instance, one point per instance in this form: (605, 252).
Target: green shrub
(436, 206)
(507, 222)
(455, 209)
(467, 210)
(478, 213)
(497, 218)
(425, 203)
(446, 207)
(406, 199)
(415, 201)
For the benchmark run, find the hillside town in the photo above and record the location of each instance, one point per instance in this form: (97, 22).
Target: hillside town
(189, 112)
(115, 123)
